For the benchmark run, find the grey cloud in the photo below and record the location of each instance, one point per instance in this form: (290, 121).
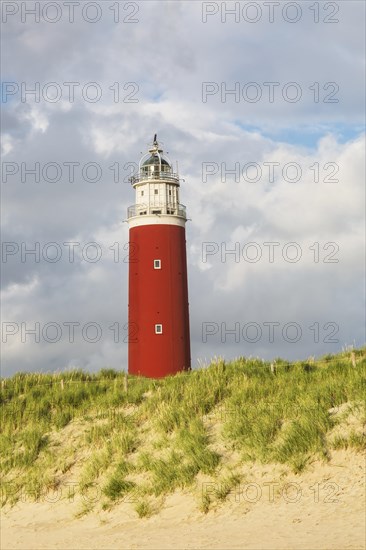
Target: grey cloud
(169, 53)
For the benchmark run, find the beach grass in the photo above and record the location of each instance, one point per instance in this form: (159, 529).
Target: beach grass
(141, 439)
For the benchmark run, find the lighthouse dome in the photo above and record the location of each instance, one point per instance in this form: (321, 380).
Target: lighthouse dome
(155, 160)
(155, 165)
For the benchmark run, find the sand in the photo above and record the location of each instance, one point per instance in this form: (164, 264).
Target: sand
(322, 508)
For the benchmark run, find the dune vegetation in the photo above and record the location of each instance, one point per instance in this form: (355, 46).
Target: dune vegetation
(125, 438)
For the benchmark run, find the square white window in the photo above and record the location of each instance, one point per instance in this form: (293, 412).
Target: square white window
(156, 191)
(157, 264)
(158, 329)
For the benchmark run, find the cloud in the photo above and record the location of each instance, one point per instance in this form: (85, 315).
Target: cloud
(221, 146)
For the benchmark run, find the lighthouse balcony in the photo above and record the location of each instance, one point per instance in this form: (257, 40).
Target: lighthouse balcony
(162, 175)
(157, 210)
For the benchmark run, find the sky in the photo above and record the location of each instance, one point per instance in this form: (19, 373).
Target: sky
(262, 106)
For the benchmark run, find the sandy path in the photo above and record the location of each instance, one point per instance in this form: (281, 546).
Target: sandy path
(321, 509)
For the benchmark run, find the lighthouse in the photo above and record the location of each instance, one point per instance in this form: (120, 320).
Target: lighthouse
(158, 316)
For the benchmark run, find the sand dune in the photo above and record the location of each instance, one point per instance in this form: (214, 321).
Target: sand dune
(323, 508)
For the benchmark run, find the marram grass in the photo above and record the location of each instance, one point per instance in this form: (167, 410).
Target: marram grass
(137, 440)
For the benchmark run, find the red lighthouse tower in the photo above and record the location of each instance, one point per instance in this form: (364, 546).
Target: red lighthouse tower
(158, 290)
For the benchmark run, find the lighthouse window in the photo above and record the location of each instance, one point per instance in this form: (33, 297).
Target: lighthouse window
(142, 193)
(157, 264)
(156, 191)
(158, 329)
(170, 192)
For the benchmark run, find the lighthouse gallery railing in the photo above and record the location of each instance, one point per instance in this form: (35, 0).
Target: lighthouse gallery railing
(143, 176)
(157, 209)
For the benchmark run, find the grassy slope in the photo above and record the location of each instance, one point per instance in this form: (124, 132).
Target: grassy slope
(136, 439)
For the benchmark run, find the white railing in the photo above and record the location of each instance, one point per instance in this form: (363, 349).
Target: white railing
(157, 210)
(165, 176)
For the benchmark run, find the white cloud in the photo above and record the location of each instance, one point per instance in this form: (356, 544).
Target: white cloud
(7, 144)
(168, 54)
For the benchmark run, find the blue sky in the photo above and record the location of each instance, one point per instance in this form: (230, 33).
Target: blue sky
(308, 136)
